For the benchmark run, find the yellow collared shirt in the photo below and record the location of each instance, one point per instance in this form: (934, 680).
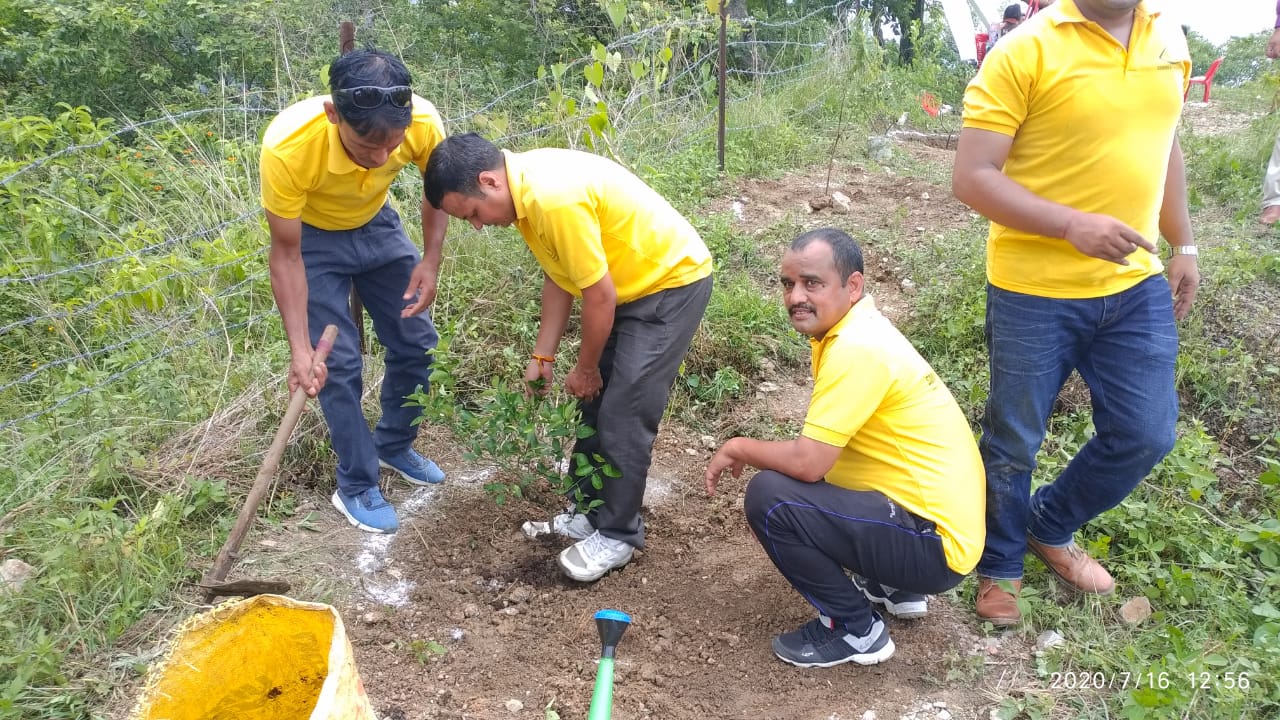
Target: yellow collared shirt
(1093, 125)
(583, 215)
(306, 172)
(901, 431)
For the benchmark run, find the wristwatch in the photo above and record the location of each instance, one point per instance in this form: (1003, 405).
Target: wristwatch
(1184, 250)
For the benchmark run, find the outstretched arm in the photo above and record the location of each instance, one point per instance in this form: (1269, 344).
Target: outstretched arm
(803, 458)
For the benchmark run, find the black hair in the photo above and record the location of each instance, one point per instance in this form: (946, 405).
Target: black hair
(455, 166)
(370, 67)
(844, 250)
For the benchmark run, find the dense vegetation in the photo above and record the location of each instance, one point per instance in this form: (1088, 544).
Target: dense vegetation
(134, 304)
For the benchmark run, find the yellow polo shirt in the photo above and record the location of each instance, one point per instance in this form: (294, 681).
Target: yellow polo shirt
(306, 172)
(1093, 126)
(901, 431)
(583, 215)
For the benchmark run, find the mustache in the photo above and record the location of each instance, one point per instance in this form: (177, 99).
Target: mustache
(801, 306)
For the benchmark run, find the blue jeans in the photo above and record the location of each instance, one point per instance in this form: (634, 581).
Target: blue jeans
(1124, 346)
(378, 258)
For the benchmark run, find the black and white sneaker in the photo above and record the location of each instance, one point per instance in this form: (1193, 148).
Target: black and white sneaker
(900, 603)
(816, 644)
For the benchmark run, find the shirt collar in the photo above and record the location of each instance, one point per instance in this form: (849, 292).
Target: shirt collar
(339, 162)
(1066, 11)
(861, 309)
(515, 181)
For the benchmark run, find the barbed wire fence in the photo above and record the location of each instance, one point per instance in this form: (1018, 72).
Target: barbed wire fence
(35, 385)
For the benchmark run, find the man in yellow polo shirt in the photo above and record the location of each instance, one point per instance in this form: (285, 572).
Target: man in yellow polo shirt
(326, 165)
(884, 479)
(644, 278)
(1070, 148)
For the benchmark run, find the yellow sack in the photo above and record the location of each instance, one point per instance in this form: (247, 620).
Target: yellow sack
(265, 658)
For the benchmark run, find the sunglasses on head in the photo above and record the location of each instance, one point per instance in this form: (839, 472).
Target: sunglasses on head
(368, 97)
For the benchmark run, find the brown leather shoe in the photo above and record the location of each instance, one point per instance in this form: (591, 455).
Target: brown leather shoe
(1074, 567)
(995, 605)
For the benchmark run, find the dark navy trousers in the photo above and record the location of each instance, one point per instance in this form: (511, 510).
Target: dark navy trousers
(813, 531)
(378, 259)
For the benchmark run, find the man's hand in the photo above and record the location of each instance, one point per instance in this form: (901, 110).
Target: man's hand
(725, 459)
(422, 283)
(584, 383)
(1104, 237)
(1273, 45)
(304, 372)
(1184, 279)
(537, 377)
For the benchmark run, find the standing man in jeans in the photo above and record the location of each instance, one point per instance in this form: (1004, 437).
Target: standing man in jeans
(884, 479)
(327, 163)
(643, 276)
(1271, 181)
(1070, 148)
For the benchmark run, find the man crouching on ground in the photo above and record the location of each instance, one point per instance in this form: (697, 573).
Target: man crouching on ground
(885, 479)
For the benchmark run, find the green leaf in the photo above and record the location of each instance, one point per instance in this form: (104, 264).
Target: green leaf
(594, 73)
(1216, 660)
(1266, 610)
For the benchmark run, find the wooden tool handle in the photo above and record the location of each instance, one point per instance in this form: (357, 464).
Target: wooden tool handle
(297, 401)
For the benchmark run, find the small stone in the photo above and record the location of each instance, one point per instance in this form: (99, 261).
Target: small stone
(767, 367)
(513, 610)
(470, 610)
(514, 706)
(457, 634)
(14, 574)
(768, 387)
(690, 451)
(819, 203)
(869, 715)
(924, 195)
(737, 208)
(908, 285)
(708, 442)
(1049, 639)
(840, 202)
(372, 618)
(940, 705)
(944, 715)
(1136, 610)
(521, 594)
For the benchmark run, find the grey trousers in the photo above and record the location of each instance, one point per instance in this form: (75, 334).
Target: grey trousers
(645, 349)
(1271, 181)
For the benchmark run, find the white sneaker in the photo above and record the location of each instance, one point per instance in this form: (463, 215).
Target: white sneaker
(590, 558)
(572, 525)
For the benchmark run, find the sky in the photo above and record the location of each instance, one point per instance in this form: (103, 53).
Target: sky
(1217, 20)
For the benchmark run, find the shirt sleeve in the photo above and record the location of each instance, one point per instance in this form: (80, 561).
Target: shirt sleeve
(279, 189)
(428, 126)
(998, 97)
(851, 384)
(573, 231)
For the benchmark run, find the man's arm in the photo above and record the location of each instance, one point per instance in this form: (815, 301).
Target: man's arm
(1273, 45)
(804, 459)
(1175, 225)
(599, 302)
(556, 305)
(289, 286)
(979, 182)
(423, 281)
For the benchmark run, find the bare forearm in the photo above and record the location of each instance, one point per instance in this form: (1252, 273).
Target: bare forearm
(784, 456)
(998, 198)
(434, 224)
(597, 323)
(556, 304)
(289, 286)
(1175, 218)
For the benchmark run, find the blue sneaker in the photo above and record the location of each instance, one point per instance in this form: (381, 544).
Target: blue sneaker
(900, 603)
(413, 467)
(368, 511)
